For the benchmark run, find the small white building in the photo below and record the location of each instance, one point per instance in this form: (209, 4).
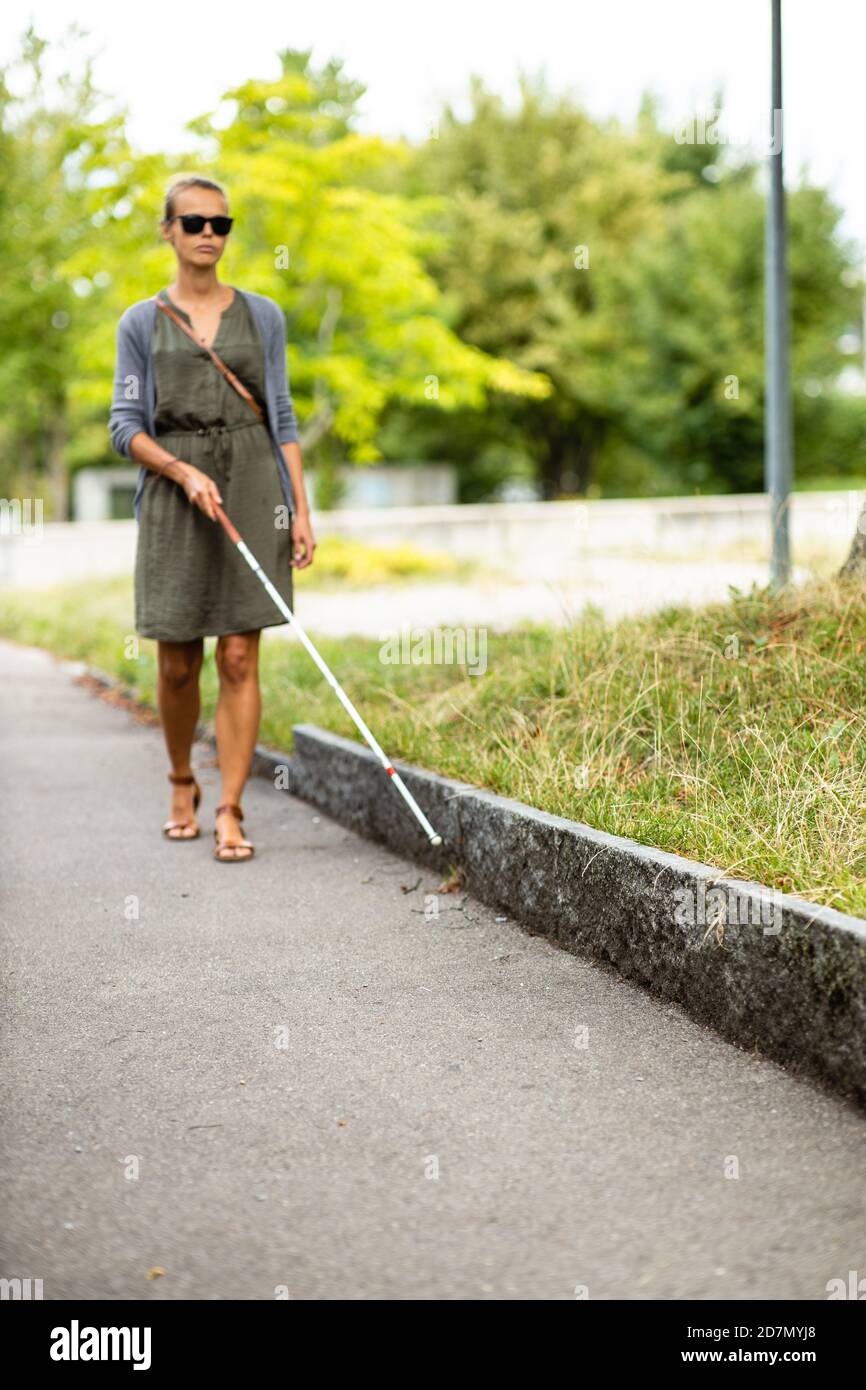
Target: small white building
(104, 494)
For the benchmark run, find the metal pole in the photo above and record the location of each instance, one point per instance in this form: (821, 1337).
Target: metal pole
(777, 425)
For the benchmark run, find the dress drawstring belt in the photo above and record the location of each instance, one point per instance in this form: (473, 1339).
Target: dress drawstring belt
(218, 445)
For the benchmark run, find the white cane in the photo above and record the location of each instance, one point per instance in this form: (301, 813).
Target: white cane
(254, 565)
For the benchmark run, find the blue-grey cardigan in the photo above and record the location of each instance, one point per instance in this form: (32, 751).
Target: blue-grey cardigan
(134, 397)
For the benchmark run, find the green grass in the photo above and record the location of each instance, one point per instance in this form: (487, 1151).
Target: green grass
(732, 734)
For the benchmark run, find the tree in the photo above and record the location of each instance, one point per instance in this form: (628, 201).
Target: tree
(46, 145)
(654, 341)
(541, 203)
(690, 356)
(367, 325)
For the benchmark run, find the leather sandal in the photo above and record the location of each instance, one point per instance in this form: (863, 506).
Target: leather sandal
(223, 845)
(170, 825)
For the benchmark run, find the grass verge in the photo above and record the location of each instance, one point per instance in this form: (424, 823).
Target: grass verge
(732, 734)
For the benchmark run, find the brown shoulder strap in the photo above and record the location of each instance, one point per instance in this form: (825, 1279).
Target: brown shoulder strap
(215, 358)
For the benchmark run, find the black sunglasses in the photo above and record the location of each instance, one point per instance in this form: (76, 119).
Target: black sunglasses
(194, 222)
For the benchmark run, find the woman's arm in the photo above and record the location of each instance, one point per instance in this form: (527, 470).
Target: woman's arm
(200, 489)
(303, 540)
(127, 415)
(128, 419)
(287, 424)
(294, 463)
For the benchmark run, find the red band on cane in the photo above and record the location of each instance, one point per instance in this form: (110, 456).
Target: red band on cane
(233, 533)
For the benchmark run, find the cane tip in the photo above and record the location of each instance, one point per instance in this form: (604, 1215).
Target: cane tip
(435, 839)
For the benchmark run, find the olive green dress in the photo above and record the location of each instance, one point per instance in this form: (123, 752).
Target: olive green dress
(190, 580)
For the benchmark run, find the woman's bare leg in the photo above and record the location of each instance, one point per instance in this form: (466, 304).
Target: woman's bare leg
(178, 668)
(238, 712)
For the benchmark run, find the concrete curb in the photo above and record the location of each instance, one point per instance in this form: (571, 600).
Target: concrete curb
(767, 971)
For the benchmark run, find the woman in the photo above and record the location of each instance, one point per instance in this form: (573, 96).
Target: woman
(199, 442)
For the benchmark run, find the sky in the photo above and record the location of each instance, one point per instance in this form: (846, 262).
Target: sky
(167, 63)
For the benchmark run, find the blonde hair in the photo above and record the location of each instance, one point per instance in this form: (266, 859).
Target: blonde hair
(181, 181)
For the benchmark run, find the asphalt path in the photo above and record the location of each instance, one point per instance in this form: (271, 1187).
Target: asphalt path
(312, 1075)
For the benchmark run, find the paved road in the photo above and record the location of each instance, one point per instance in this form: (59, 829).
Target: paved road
(150, 1046)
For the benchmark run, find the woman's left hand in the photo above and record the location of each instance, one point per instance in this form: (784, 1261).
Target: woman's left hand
(303, 541)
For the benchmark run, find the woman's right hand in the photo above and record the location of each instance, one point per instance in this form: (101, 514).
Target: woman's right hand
(201, 490)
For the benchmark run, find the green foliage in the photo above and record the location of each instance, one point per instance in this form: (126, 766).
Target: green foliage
(48, 152)
(644, 337)
(528, 294)
(689, 383)
(365, 325)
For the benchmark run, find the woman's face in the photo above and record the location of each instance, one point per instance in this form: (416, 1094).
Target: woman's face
(197, 248)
